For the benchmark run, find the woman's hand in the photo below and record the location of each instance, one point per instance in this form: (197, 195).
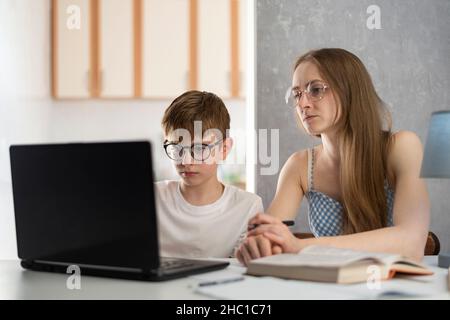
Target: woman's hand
(274, 230)
(256, 247)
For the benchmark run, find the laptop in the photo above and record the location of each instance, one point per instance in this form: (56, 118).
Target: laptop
(91, 205)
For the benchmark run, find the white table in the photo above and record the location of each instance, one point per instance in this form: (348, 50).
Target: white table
(17, 283)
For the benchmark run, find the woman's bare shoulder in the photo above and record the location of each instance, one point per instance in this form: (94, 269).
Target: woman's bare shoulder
(297, 167)
(403, 135)
(404, 139)
(405, 149)
(298, 159)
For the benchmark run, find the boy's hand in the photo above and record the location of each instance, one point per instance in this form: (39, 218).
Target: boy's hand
(274, 230)
(256, 247)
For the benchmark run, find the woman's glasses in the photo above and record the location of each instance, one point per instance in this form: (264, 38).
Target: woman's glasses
(199, 152)
(314, 90)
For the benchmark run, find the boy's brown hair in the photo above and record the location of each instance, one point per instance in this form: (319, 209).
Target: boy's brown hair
(196, 106)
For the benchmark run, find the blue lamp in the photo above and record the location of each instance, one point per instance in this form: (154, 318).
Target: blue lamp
(436, 161)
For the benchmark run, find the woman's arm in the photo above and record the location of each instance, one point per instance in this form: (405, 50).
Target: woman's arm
(289, 193)
(411, 211)
(284, 206)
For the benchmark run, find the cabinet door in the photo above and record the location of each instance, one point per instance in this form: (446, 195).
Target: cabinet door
(71, 49)
(165, 48)
(242, 38)
(116, 74)
(214, 63)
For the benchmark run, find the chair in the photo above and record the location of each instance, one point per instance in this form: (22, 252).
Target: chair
(432, 247)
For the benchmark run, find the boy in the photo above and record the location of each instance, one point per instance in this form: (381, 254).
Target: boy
(198, 216)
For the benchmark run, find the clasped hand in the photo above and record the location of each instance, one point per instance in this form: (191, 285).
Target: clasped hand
(269, 237)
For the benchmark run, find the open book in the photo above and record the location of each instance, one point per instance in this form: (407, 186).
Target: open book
(329, 264)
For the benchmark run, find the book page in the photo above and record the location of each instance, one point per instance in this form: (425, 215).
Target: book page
(323, 256)
(346, 256)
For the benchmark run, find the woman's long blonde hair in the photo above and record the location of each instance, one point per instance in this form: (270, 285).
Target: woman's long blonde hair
(364, 132)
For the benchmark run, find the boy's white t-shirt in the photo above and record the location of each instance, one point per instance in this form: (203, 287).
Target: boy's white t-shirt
(213, 230)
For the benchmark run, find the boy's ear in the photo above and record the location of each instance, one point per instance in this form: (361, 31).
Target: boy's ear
(227, 145)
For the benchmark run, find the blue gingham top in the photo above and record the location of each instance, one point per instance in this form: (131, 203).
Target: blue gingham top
(325, 213)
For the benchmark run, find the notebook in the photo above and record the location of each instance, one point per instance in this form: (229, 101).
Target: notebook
(329, 264)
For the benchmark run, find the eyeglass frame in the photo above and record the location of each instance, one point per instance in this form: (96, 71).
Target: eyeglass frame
(209, 146)
(307, 91)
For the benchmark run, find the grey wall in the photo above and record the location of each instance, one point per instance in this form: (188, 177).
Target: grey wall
(408, 60)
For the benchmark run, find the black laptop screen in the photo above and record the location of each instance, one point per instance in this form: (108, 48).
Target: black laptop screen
(85, 203)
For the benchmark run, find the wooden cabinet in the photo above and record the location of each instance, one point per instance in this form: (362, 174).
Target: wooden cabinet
(165, 38)
(241, 16)
(71, 49)
(148, 48)
(214, 40)
(116, 49)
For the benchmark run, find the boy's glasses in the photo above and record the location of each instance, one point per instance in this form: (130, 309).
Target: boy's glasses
(314, 90)
(199, 152)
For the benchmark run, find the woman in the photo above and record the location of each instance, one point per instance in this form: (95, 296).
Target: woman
(362, 183)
